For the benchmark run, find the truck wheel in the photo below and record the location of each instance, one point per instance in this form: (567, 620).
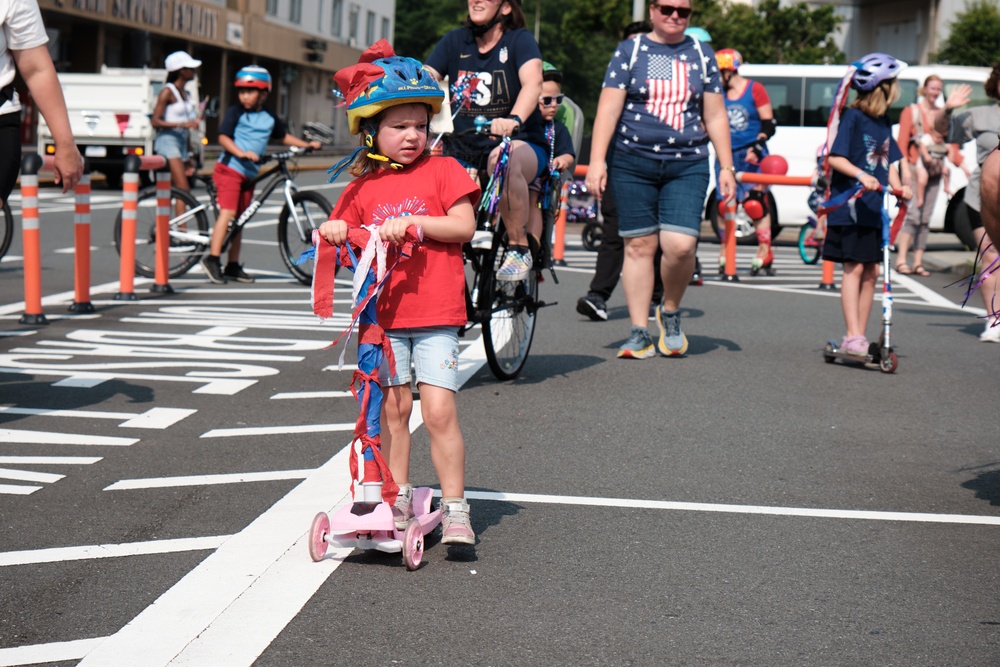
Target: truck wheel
(957, 219)
(113, 177)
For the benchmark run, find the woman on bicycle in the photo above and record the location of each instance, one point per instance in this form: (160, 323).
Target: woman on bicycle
(174, 116)
(390, 101)
(496, 67)
(661, 104)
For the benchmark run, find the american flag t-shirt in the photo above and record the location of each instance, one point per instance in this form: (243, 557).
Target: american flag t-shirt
(669, 92)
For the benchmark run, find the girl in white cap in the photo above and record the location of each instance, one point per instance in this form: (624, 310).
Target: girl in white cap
(174, 116)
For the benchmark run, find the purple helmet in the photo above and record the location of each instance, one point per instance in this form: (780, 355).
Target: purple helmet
(873, 69)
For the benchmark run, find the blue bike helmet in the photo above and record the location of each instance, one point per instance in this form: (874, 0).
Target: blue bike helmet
(253, 76)
(380, 80)
(698, 33)
(873, 69)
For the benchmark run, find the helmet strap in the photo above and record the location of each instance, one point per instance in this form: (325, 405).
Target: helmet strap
(370, 142)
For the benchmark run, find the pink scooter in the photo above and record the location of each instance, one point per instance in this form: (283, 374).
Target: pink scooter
(374, 527)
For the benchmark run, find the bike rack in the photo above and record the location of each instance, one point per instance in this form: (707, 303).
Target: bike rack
(130, 202)
(31, 165)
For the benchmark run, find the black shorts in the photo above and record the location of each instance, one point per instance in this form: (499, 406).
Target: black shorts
(10, 152)
(851, 243)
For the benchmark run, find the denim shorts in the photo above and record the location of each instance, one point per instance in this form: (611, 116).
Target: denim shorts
(433, 353)
(658, 195)
(171, 144)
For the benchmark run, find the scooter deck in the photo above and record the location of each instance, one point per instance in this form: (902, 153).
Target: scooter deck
(874, 358)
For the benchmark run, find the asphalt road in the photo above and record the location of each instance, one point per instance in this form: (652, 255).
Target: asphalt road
(749, 504)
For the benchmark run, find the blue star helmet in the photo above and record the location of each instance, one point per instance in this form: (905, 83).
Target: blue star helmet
(403, 81)
(873, 69)
(253, 76)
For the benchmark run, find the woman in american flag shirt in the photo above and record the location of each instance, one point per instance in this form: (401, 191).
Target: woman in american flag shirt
(661, 104)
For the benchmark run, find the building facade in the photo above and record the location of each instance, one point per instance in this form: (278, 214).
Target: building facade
(301, 42)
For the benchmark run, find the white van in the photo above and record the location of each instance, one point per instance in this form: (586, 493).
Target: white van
(109, 114)
(801, 96)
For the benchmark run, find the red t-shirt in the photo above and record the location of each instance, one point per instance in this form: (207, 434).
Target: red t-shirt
(428, 288)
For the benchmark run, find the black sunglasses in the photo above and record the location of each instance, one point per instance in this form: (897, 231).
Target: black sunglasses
(548, 100)
(667, 10)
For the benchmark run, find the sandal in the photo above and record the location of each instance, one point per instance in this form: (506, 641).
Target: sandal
(903, 269)
(921, 271)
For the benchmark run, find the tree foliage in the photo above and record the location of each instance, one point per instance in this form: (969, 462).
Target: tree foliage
(579, 36)
(975, 36)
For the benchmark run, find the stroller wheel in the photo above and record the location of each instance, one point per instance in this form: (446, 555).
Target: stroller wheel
(593, 233)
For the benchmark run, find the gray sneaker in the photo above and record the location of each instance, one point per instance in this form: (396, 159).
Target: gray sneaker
(402, 511)
(673, 342)
(638, 346)
(455, 525)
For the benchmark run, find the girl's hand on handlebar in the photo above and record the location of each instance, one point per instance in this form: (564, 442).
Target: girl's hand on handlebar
(250, 155)
(393, 230)
(869, 182)
(334, 231)
(907, 192)
(315, 145)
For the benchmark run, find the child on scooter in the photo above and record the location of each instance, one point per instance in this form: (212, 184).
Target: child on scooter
(390, 101)
(861, 152)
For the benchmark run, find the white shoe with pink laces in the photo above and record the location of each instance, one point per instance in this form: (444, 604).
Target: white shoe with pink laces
(455, 525)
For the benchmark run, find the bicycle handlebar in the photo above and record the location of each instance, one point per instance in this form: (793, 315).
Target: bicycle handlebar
(285, 155)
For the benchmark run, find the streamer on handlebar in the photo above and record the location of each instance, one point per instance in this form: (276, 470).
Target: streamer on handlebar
(889, 227)
(494, 188)
(461, 92)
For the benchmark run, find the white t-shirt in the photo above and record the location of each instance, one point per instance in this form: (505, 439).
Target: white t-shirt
(22, 29)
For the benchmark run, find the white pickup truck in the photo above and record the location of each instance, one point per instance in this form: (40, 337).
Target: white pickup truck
(110, 114)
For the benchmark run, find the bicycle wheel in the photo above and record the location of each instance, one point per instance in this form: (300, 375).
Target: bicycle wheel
(295, 231)
(6, 229)
(510, 325)
(189, 233)
(810, 249)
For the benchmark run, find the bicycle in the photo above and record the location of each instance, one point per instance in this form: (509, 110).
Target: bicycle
(191, 233)
(6, 229)
(810, 247)
(504, 310)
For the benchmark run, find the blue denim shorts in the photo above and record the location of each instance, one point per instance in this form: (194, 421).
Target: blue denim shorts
(171, 144)
(658, 195)
(431, 351)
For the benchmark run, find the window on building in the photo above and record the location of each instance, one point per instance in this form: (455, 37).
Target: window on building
(370, 28)
(385, 29)
(352, 23)
(272, 7)
(337, 18)
(295, 11)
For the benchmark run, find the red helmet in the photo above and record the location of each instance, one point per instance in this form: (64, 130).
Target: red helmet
(775, 165)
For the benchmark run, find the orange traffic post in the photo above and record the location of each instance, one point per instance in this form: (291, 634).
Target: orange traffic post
(730, 218)
(81, 243)
(772, 179)
(126, 242)
(32, 250)
(163, 213)
(559, 243)
(827, 283)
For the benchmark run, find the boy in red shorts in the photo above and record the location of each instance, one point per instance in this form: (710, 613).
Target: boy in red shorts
(243, 134)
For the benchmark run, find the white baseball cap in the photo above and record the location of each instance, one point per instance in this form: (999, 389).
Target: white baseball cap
(179, 60)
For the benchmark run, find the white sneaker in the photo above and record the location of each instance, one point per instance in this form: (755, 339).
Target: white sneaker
(516, 267)
(992, 332)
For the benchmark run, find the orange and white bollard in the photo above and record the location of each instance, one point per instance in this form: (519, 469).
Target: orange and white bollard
(31, 236)
(163, 214)
(126, 243)
(81, 243)
(827, 282)
(730, 240)
(559, 242)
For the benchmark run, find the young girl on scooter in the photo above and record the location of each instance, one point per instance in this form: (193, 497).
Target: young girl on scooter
(390, 101)
(861, 150)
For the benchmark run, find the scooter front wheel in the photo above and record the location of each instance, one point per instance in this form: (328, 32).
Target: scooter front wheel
(888, 363)
(413, 545)
(318, 533)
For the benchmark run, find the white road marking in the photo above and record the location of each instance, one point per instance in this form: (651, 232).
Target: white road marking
(920, 517)
(158, 418)
(50, 460)
(18, 333)
(41, 653)
(275, 430)
(28, 476)
(10, 435)
(295, 395)
(18, 490)
(205, 480)
(62, 554)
